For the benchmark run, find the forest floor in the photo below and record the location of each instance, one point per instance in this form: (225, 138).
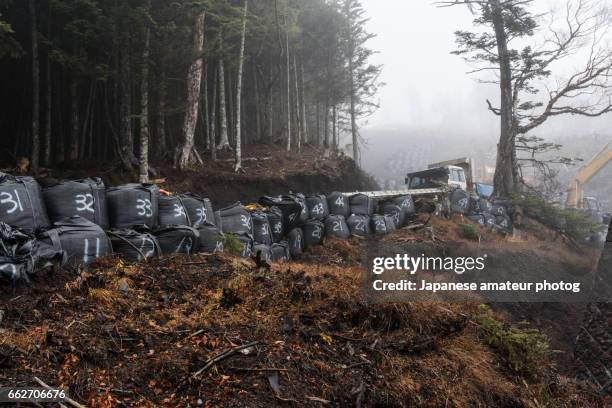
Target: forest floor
(169, 333)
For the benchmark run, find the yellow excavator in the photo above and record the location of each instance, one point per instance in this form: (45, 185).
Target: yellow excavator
(575, 191)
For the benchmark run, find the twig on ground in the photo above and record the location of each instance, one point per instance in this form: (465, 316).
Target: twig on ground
(67, 399)
(223, 356)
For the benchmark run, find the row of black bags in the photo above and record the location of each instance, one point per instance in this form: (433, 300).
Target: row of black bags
(493, 214)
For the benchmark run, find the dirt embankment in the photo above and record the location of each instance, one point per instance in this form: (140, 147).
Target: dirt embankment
(267, 170)
(135, 335)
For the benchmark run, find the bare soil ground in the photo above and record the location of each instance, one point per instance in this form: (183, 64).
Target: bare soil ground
(135, 335)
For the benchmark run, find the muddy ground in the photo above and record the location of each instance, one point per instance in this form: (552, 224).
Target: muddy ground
(168, 333)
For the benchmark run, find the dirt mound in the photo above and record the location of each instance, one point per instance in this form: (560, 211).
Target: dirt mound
(135, 335)
(268, 170)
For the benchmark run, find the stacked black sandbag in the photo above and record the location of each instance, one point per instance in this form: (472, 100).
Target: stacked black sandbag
(335, 226)
(479, 205)
(289, 206)
(304, 214)
(504, 223)
(79, 239)
(275, 219)
(177, 239)
(460, 201)
(263, 251)
(21, 255)
(317, 207)
(261, 228)
(199, 210)
(314, 230)
(359, 225)
(394, 211)
(296, 242)
(85, 198)
(498, 209)
(134, 245)
(133, 205)
(477, 218)
(378, 224)
(338, 204)
(247, 244)
(21, 203)
(406, 203)
(210, 240)
(172, 211)
(390, 222)
(235, 219)
(279, 252)
(362, 204)
(489, 219)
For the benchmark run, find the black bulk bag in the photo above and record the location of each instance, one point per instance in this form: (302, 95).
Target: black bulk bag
(359, 225)
(335, 226)
(247, 244)
(275, 219)
(296, 242)
(314, 231)
(479, 219)
(172, 211)
(279, 252)
(235, 219)
(21, 203)
(177, 239)
(304, 214)
(199, 210)
(504, 223)
(489, 219)
(460, 201)
(362, 204)
(133, 245)
(264, 251)
(261, 228)
(479, 205)
(21, 254)
(498, 210)
(317, 207)
(406, 203)
(396, 212)
(289, 206)
(210, 240)
(132, 205)
(338, 204)
(79, 239)
(378, 224)
(85, 198)
(390, 223)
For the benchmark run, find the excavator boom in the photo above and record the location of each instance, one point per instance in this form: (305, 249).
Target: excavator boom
(575, 190)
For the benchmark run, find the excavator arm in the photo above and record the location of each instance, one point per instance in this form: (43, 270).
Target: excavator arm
(586, 173)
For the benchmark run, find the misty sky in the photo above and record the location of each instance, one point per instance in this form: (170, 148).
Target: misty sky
(427, 87)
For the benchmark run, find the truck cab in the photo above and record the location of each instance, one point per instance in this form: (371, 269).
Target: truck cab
(444, 176)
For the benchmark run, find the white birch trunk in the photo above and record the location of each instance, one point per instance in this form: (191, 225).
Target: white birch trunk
(194, 79)
(238, 163)
(144, 110)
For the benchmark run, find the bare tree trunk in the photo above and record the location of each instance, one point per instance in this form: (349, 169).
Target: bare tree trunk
(204, 110)
(35, 159)
(194, 79)
(238, 163)
(224, 141)
(288, 88)
(162, 138)
(505, 179)
(352, 95)
(48, 91)
(144, 109)
(126, 138)
(326, 122)
(258, 123)
(73, 153)
(230, 108)
(304, 129)
(318, 118)
(213, 121)
(334, 133)
(297, 107)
